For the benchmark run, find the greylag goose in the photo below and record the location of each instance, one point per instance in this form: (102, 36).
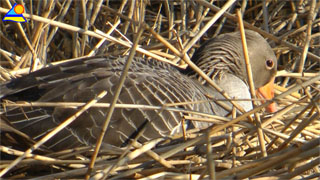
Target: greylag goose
(149, 82)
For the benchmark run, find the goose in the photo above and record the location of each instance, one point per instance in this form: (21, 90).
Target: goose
(148, 82)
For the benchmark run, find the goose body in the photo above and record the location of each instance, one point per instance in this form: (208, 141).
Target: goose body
(149, 82)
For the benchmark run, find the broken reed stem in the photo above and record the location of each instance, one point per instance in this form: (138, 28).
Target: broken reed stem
(63, 125)
(114, 100)
(308, 36)
(251, 85)
(260, 31)
(286, 127)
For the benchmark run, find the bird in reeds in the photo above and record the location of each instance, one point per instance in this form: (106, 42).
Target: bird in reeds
(148, 82)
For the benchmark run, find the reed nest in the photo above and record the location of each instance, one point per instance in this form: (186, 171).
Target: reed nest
(283, 145)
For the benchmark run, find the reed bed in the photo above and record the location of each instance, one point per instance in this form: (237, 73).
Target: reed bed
(288, 145)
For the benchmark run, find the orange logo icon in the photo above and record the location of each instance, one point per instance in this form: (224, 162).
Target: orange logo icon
(15, 14)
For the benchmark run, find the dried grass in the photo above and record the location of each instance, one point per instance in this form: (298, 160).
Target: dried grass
(57, 31)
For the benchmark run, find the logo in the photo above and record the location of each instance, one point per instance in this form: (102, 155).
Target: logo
(15, 14)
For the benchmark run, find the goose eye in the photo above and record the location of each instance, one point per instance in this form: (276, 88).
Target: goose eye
(269, 64)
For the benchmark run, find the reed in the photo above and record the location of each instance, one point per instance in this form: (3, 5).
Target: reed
(285, 144)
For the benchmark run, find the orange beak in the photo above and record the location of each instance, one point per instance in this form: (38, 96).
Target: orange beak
(267, 92)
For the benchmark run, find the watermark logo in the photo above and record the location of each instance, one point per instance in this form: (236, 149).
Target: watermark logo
(15, 14)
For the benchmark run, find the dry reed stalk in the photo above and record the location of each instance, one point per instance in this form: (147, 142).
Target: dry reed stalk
(57, 32)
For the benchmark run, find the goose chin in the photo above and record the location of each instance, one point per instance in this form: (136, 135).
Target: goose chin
(267, 93)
